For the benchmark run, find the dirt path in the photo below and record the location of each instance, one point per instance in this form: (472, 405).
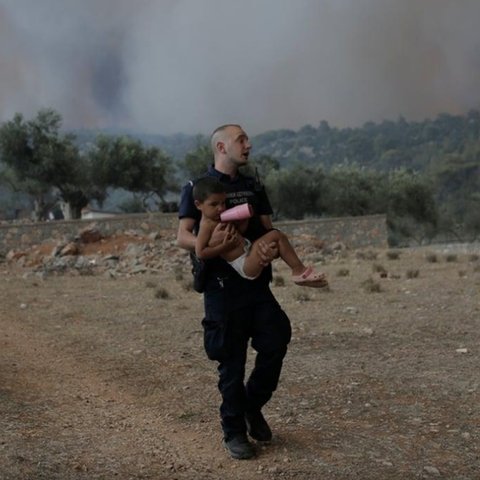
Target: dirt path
(105, 379)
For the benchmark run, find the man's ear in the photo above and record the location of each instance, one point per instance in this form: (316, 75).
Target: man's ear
(221, 147)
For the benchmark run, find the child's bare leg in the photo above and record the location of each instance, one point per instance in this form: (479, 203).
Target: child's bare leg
(285, 249)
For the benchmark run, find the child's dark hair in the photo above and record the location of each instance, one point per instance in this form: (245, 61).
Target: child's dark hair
(205, 187)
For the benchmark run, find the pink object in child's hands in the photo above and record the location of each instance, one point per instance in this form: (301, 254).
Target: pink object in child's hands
(240, 212)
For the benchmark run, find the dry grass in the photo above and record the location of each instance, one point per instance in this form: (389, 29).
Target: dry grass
(378, 268)
(102, 380)
(393, 254)
(371, 286)
(162, 293)
(412, 273)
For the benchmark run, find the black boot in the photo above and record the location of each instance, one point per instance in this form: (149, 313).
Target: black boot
(239, 447)
(257, 427)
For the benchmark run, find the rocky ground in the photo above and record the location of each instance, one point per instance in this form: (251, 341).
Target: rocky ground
(103, 374)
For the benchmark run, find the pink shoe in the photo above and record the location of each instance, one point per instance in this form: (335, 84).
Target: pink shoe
(310, 278)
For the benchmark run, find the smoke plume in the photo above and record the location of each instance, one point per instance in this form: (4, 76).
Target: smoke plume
(166, 66)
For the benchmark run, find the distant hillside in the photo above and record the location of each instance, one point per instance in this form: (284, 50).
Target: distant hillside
(382, 146)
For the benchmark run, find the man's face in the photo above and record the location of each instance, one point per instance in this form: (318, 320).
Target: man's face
(237, 146)
(213, 206)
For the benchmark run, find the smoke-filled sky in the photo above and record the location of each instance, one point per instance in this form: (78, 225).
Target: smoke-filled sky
(167, 66)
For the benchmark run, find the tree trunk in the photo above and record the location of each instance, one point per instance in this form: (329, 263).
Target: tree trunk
(40, 209)
(66, 210)
(72, 205)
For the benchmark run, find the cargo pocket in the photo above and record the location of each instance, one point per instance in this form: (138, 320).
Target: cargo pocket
(215, 326)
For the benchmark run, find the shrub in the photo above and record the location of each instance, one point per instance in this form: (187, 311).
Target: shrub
(162, 293)
(301, 297)
(188, 285)
(377, 268)
(431, 257)
(178, 274)
(371, 286)
(366, 255)
(343, 272)
(413, 273)
(451, 257)
(393, 254)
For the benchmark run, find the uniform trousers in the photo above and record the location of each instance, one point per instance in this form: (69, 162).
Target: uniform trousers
(233, 322)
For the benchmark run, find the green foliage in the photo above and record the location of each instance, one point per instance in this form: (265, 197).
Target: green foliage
(198, 160)
(123, 162)
(43, 162)
(133, 205)
(295, 193)
(439, 158)
(411, 207)
(405, 197)
(263, 165)
(42, 159)
(350, 190)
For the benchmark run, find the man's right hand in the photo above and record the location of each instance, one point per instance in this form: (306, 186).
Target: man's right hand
(224, 233)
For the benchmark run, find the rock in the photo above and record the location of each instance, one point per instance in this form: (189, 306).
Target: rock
(135, 249)
(154, 236)
(69, 249)
(13, 255)
(432, 470)
(90, 234)
(338, 246)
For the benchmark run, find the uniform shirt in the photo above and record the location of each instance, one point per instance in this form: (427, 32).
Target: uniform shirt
(241, 189)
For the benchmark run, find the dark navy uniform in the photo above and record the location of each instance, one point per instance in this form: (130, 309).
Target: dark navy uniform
(237, 310)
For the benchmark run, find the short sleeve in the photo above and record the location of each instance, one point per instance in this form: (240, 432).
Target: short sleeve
(187, 208)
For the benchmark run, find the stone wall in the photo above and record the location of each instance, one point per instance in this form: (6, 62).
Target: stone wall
(354, 232)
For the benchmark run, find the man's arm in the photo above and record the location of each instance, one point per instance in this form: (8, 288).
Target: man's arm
(185, 237)
(266, 221)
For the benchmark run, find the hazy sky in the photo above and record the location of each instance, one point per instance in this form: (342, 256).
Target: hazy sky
(166, 66)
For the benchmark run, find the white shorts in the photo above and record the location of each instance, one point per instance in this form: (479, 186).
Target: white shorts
(237, 264)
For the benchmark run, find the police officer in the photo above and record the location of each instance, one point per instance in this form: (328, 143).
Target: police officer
(238, 310)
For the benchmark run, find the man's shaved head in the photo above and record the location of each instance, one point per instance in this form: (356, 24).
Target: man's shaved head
(219, 134)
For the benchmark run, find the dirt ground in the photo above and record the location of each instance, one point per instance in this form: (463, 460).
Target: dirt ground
(106, 378)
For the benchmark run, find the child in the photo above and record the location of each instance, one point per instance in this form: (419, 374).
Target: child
(209, 196)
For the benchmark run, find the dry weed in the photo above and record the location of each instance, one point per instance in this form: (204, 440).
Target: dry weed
(393, 254)
(413, 273)
(371, 286)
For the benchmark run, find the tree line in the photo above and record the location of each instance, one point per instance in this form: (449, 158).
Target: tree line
(424, 175)
(52, 168)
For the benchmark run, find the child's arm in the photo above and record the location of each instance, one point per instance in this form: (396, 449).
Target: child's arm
(202, 248)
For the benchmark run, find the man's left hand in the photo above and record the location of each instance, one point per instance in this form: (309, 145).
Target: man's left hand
(268, 252)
